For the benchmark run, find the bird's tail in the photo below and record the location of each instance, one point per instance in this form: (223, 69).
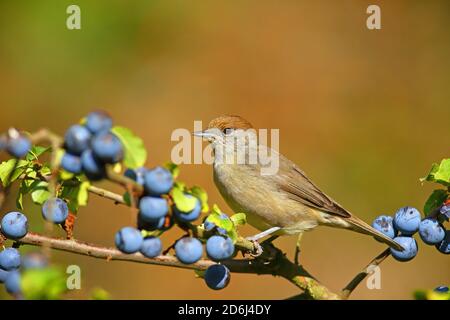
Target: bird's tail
(360, 226)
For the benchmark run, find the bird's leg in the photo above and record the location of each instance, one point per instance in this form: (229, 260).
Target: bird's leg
(297, 248)
(256, 237)
(263, 234)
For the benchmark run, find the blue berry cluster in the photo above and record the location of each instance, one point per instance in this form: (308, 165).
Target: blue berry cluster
(11, 265)
(17, 144)
(14, 226)
(406, 222)
(218, 248)
(157, 213)
(154, 213)
(91, 146)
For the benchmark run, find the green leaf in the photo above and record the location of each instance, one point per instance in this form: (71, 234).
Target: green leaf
(180, 185)
(127, 198)
(430, 176)
(151, 233)
(221, 220)
(135, 152)
(19, 198)
(65, 175)
(239, 219)
(233, 235)
(182, 202)
(43, 284)
(35, 152)
(70, 194)
(40, 193)
(83, 193)
(25, 187)
(45, 170)
(435, 200)
(420, 295)
(76, 195)
(433, 295)
(200, 194)
(199, 273)
(439, 173)
(173, 168)
(100, 294)
(216, 209)
(11, 170)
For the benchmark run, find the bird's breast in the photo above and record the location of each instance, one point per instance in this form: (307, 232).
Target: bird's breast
(246, 190)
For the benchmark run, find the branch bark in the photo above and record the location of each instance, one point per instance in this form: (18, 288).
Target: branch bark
(364, 273)
(274, 263)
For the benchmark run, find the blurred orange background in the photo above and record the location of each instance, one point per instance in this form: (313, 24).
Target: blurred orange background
(364, 113)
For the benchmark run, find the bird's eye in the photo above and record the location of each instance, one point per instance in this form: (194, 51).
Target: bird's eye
(227, 130)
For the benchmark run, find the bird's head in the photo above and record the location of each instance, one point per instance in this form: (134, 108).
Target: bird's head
(222, 127)
(234, 141)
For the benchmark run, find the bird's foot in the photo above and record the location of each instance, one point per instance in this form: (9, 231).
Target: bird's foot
(257, 248)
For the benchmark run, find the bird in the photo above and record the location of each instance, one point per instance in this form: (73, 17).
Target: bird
(286, 202)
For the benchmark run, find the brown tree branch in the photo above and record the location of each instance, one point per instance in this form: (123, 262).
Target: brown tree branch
(274, 263)
(364, 273)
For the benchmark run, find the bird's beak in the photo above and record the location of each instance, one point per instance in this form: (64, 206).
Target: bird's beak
(203, 134)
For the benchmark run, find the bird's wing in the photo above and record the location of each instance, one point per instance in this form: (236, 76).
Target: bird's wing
(300, 188)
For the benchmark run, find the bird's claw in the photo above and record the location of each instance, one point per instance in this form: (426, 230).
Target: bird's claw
(257, 248)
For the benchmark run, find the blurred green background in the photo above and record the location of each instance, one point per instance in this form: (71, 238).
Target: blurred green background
(364, 113)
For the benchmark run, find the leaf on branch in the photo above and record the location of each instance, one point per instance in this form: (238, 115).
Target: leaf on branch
(435, 200)
(439, 173)
(83, 193)
(25, 187)
(82, 121)
(20, 194)
(200, 194)
(173, 168)
(36, 152)
(11, 170)
(431, 295)
(239, 219)
(43, 284)
(39, 192)
(65, 175)
(134, 149)
(75, 195)
(221, 220)
(100, 294)
(183, 202)
(45, 170)
(127, 198)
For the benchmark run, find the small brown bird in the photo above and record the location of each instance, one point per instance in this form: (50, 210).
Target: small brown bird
(284, 203)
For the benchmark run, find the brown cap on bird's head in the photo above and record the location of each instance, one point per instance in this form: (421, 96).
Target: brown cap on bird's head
(229, 122)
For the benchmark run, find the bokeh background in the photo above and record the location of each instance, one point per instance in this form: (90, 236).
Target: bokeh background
(365, 113)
